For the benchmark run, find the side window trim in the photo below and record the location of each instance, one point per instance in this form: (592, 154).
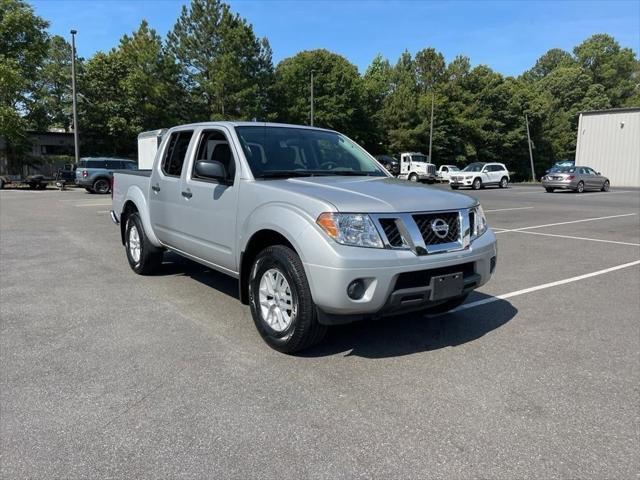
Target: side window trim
(169, 149)
(192, 168)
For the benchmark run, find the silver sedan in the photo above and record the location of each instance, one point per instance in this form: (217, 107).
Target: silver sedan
(577, 179)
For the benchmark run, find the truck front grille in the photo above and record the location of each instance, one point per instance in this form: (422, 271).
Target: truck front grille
(438, 228)
(391, 231)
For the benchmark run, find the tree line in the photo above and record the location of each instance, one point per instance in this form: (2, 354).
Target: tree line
(212, 66)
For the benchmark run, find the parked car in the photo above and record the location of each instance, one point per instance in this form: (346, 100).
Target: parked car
(479, 174)
(34, 182)
(577, 179)
(415, 167)
(390, 163)
(444, 172)
(315, 231)
(95, 174)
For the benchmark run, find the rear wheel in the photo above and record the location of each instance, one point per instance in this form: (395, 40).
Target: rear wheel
(144, 257)
(549, 190)
(477, 184)
(101, 185)
(280, 300)
(605, 186)
(504, 181)
(580, 187)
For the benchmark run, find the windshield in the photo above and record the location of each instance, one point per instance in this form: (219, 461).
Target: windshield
(454, 169)
(282, 152)
(473, 167)
(419, 158)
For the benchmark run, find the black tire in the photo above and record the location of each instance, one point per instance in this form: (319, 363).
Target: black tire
(33, 186)
(447, 305)
(413, 177)
(101, 186)
(454, 187)
(477, 184)
(88, 189)
(549, 190)
(580, 187)
(605, 186)
(304, 329)
(150, 257)
(42, 186)
(504, 182)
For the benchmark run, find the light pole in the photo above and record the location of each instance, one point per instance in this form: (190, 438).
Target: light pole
(533, 172)
(73, 92)
(433, 96)
(312, 98)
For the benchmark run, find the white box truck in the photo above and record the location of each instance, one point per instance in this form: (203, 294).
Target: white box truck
(148, 143)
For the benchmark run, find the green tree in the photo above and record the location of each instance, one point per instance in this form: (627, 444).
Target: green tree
(401, 119)
(547, 63)
(23, 46)
(338, 92)
(376, 84)
(50, 102)
(225, 67)
(610, 66)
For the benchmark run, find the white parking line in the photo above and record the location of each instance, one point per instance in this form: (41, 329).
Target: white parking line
(575, 238)
(484, 301)
(93, 205)
(567, 223)
(508, 209)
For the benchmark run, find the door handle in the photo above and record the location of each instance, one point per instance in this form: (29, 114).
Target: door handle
(155, 188)
(187, 194)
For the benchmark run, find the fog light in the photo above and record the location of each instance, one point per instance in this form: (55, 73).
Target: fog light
(356, 289)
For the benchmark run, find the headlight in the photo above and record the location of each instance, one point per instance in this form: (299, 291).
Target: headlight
(479, 222)
(468, 177)
(354, 229)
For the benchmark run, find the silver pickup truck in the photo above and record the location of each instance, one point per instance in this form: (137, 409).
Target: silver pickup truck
(315, 230)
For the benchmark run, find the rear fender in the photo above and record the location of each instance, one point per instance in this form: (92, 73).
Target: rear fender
(135, 195)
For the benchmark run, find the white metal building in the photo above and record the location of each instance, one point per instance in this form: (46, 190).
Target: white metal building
(609, 142)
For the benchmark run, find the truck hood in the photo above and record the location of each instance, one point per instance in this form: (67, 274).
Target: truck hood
(376, 194)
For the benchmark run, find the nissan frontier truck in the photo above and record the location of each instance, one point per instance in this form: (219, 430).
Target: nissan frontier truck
(314, 229)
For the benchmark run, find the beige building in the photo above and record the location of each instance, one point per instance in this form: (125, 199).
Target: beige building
(609, 142)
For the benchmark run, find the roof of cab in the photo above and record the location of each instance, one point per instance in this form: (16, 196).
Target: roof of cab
(229, 123)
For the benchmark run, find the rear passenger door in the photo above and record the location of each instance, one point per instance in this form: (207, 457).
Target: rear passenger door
(165, 198)
(209, 207)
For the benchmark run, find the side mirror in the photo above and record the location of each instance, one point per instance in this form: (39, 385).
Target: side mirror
(211, 169)
(599, 173)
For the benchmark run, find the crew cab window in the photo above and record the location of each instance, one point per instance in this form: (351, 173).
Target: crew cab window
(114, 164)
(213, 145)
(96, 164)
(176, 152)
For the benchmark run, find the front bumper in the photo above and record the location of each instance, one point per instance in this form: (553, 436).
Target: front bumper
(396, 286)
(467, 182)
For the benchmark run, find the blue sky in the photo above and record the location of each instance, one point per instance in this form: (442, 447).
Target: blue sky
(506, 35)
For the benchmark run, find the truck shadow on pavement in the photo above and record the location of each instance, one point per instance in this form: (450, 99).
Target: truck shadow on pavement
(414, 333)
(387, 337)
(174, 264)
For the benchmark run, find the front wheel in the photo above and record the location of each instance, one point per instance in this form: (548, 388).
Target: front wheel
(503, 182)
(477, 184)
(605, 186)
(144, 257)
(413, 177)
(280, 300)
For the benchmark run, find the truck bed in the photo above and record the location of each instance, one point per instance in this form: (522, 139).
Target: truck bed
(139, 173)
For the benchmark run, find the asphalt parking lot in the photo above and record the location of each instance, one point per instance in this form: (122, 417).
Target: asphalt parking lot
(107, 374)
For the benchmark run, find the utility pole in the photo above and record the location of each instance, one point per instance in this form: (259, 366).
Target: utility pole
(533, 172)
(431, 126)
(312, 98)
(73, 91)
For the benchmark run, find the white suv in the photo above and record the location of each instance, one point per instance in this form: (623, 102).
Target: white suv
(477, 175)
